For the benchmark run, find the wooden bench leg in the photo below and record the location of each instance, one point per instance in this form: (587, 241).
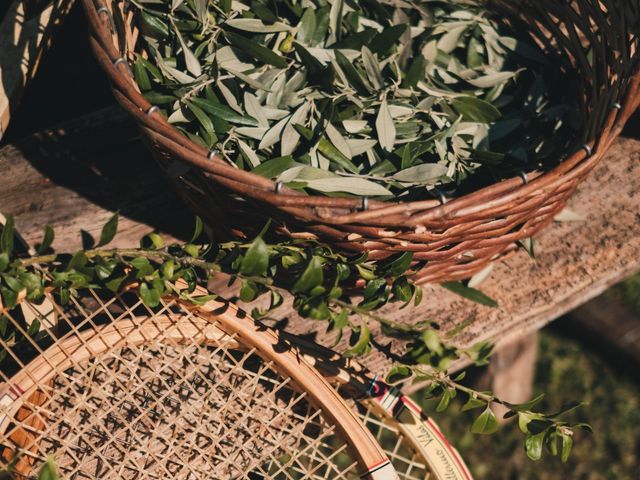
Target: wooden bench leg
(511, 372)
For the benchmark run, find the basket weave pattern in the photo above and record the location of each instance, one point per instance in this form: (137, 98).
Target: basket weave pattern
(596, 45)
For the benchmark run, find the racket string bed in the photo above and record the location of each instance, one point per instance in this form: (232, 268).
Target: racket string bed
(163, 408)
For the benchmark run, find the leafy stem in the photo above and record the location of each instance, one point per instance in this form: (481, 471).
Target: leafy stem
(325, 286)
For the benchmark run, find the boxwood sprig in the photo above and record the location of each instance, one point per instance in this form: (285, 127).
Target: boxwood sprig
(346, 292)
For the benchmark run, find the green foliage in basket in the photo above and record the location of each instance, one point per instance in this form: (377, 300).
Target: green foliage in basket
(371, 98)
(326, 286)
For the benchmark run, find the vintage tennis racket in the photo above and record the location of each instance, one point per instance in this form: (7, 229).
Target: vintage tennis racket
(413, 442)
(117, 390)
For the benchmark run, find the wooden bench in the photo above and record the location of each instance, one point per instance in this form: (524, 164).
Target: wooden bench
(75, 176)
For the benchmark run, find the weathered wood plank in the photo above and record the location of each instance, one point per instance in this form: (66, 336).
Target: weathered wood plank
(75, 176)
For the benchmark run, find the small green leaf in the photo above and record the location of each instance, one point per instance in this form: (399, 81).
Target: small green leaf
(78, 261)
(470, 293)
(256, 25)
(150, 296)
(159, 98)
(399, 265)
(225, 5)
(223, 112)
(191, 250)
(9, 297)
(6, 237)
(532, 423)
(306, 27)
(533, 445)
(109, 230)
(416, 72)
(486, 423)
(567, 443)
(13, 283)
(326, 148)
(385, 127)
(432, 341)
(202, 117)
(202, 299)
(34, 328)
(445, 400)
(256, 50)
(403, 290)
(48, 471)
(47, 240)
(521, 407)
(425, 173)
(190, 60)
(472, 403)
(566, 408)
(152, 26)
(274, 167)
(398, 373)
(256, 260)
(152, 241)
(372, 68)
(143, 267)
(355, 186)
(311, 277)
(361, 345)
(197, 229)
(474, 109)
(418, 296)
(354, 78)
(4, 261)
(492, 79)
(141, 75)
(387, 39)
(249, 291)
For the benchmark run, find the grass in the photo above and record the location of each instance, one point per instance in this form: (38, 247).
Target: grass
(567, 369)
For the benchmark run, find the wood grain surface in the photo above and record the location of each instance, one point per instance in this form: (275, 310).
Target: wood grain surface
(75, 176)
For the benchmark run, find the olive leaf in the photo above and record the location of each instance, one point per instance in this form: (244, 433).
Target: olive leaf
(426, 174)
(345, 86)
(385, 127)
(257, 25)
(355, 186)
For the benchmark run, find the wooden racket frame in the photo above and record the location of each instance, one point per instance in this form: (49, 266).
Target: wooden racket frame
(391, 404)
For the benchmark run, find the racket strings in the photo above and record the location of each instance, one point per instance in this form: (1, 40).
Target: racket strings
(408, 462)
(165, 408)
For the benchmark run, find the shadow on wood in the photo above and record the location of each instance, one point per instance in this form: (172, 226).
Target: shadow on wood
(88, 169)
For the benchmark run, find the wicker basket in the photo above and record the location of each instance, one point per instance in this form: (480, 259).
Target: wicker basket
(455, 238)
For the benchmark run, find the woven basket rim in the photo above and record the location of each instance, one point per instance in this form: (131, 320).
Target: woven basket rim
(358, 209)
